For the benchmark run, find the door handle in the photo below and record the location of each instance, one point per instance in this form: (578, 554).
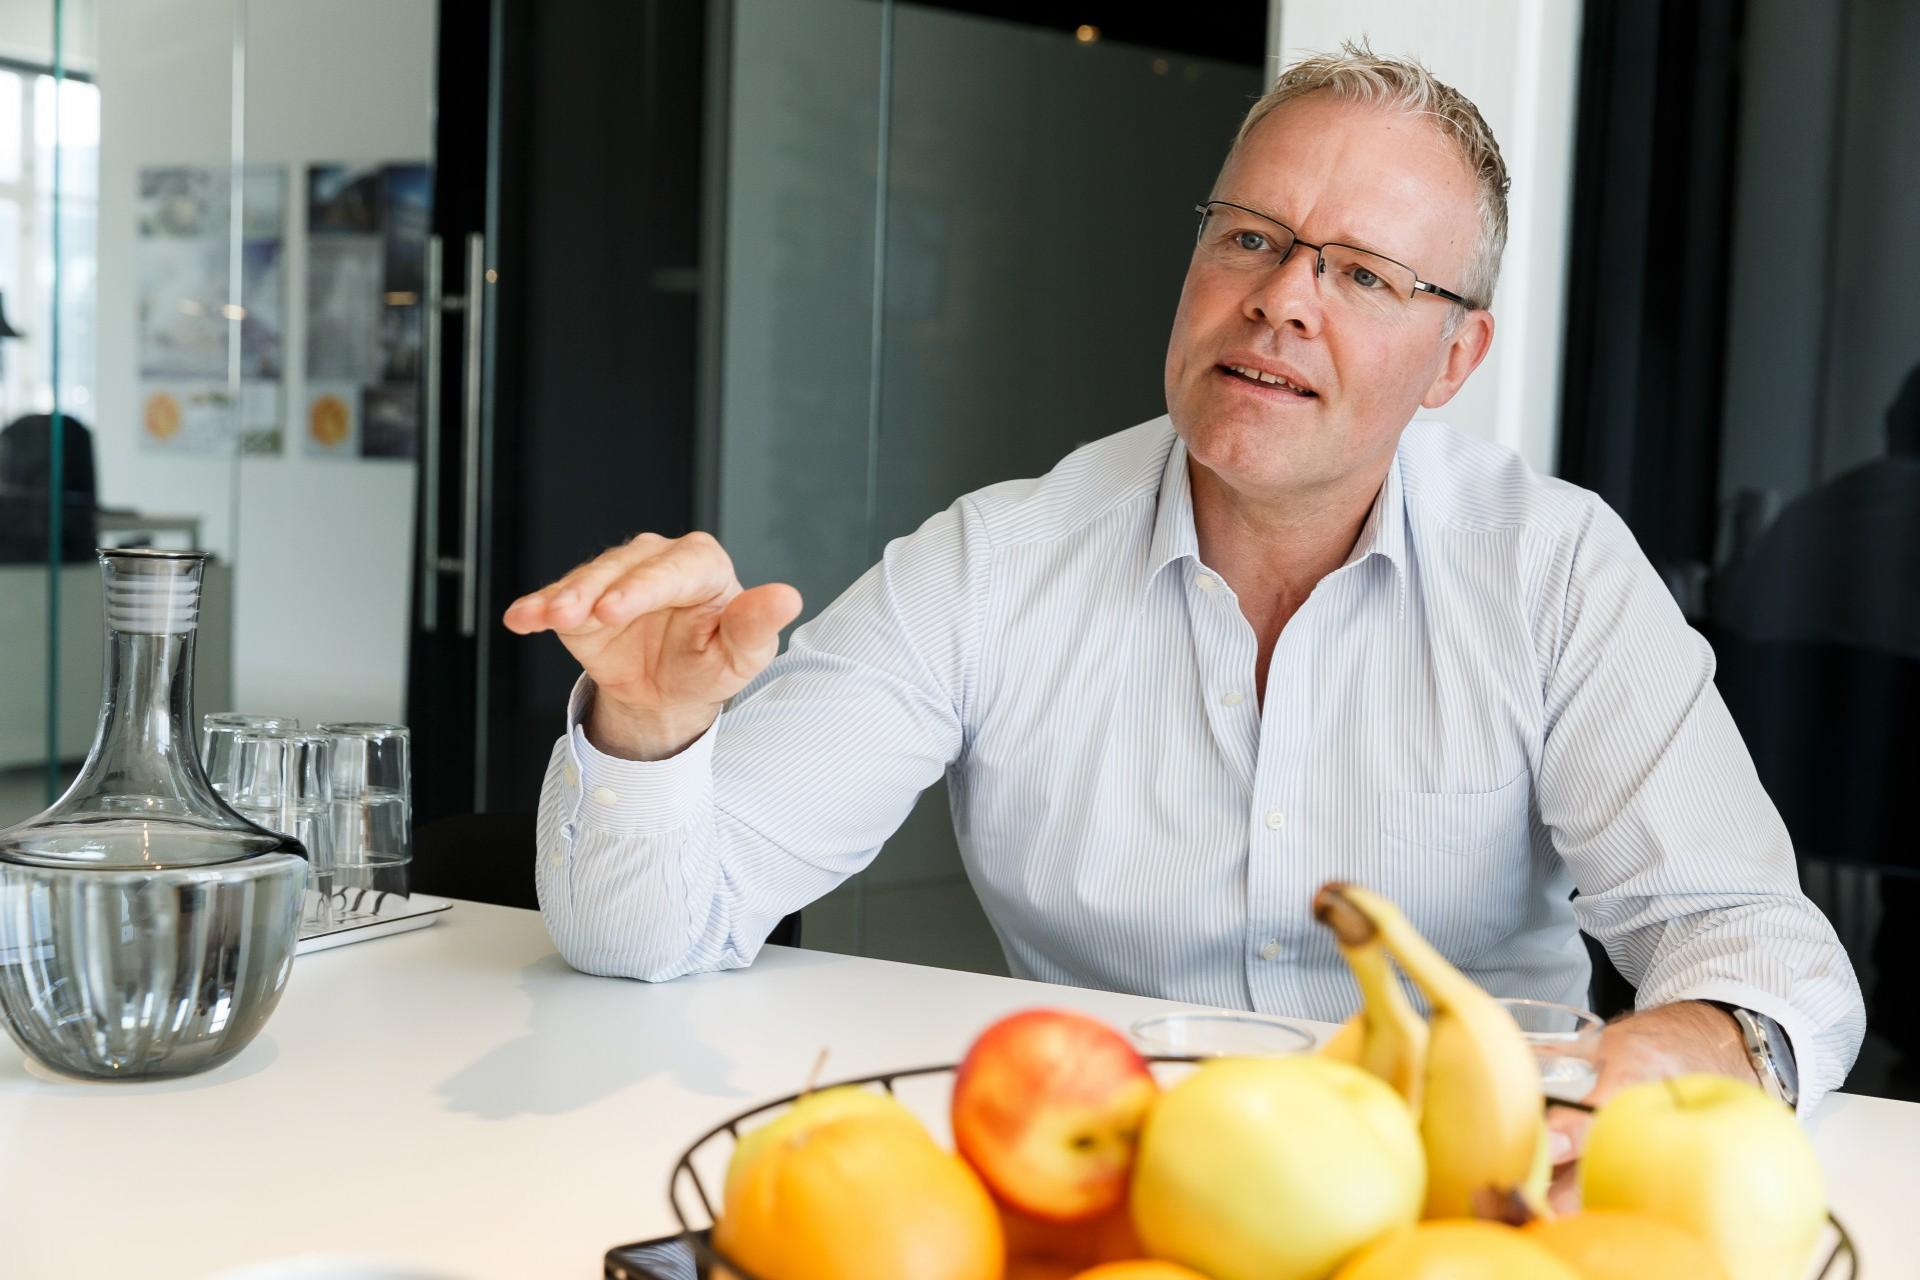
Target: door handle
(430, 442)
(470, 480)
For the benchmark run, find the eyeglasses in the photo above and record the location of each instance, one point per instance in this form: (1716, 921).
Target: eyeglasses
(1235, 238)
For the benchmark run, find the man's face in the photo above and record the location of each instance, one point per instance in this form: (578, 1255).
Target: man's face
(1335, 172)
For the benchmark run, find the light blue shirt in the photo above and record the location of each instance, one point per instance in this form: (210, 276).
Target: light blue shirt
(1493, 702)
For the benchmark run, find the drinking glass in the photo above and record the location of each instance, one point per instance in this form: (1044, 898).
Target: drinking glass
(1565, 1042)
(218, 732)
(284, 782)
(372, 806)
(1219, 1035)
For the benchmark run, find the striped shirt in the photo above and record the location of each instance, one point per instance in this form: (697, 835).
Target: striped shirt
(1492, 703)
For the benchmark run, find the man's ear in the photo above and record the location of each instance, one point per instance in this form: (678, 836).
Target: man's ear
(1465, 350)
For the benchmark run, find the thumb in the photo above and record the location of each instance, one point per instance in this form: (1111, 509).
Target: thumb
(1566, 1133)
(751, 623)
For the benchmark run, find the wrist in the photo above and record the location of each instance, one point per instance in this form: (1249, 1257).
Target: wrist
(644, 733)
(1692, 1035)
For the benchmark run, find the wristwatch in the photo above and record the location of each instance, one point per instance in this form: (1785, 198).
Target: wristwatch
(1769, 1050)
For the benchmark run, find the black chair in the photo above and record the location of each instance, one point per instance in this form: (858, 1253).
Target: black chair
(488, 857)
(26, 472)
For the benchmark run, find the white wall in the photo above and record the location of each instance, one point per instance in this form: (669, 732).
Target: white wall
(1518, 61)
(321, 548)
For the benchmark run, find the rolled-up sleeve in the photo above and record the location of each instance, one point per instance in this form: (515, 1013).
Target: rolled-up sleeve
(1685, 871)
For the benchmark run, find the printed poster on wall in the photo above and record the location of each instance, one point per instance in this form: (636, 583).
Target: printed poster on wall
(186, 313)
(366, 275)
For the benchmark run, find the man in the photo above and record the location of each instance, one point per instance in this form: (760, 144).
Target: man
(1278, 637)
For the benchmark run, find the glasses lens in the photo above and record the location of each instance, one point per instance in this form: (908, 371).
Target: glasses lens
(1231, 237)
(1367, 280)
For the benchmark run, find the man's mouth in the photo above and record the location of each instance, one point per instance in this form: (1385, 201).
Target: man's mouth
(1267, 379)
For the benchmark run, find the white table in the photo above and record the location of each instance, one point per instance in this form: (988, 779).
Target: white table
(459, 1099)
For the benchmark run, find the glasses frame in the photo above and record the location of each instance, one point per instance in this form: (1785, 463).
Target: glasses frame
(1320, 253)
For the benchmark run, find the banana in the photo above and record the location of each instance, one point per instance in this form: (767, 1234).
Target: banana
(1386, 1037)
(1482, 1118)
(1344, 1044)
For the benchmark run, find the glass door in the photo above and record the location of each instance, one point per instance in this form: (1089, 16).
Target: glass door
(115, 133)
(213, 229)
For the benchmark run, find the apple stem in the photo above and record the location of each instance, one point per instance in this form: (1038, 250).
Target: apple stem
(1502, 1204)
(813, 1076)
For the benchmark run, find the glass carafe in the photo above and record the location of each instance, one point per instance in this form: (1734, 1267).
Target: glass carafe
(146, 929)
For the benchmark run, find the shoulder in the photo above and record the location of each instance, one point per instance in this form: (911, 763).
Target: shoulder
(1096, 480)
(1457, 481)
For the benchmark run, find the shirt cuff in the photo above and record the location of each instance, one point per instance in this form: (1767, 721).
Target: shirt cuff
(635, 795)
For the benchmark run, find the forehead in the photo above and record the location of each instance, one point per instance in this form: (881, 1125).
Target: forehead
(1365, 175)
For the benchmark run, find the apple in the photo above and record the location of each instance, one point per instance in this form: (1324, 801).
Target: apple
(811, 1111)
(1612, 1244)
(1452, 1248)
(1276, 1169)
(860, 1197)
(1107, 1237)
(1047, 1107)
(1717, 1157)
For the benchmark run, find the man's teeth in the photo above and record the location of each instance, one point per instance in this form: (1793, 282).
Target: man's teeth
(1271, 379)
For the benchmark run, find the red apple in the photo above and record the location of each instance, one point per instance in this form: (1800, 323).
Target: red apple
(1047, 1108)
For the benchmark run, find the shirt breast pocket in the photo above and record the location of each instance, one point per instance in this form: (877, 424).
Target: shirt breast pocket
(1458, 863)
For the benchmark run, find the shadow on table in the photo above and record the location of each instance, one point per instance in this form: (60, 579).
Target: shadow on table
(587, 1039)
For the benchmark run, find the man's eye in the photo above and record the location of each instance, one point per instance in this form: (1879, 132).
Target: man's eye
(1366, 279)
(1251, 241)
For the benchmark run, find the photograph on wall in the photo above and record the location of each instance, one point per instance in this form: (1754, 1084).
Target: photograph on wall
(331, 426)
(366, 280)
(343, 308)
(185, 316)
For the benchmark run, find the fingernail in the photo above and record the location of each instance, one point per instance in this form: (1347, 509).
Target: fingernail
(1559, 1147)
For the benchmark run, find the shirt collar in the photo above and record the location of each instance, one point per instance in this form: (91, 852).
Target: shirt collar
(1384, 534)
(1173, 533)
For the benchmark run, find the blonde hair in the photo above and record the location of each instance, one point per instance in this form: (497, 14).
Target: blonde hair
(1357, 74)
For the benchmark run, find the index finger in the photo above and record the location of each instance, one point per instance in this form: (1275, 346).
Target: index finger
(568, 600)
(692, 571)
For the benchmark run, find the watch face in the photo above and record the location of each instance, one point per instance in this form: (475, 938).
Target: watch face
(1773, 1054)
(1780, 1049)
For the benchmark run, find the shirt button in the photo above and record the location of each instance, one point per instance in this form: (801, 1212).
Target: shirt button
(601, 795)
(1270, 951)
(572, 776)
(1233, 699)
(1275, 819)
(1206, 582)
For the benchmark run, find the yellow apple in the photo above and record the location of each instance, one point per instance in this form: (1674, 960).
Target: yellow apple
(1717, 1157)
(1275, 1169)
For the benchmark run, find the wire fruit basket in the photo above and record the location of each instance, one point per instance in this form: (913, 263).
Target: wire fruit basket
(691, 1255)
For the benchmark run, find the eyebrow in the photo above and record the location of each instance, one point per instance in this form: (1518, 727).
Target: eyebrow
(1350, 242)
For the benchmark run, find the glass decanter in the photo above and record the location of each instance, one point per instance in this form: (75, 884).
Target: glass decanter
(146, 929)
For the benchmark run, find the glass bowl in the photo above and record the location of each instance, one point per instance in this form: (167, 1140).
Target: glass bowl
(1219, 1035)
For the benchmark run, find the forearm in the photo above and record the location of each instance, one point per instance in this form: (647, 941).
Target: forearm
(629, 902)
(1680, 1038)
(1774, 955)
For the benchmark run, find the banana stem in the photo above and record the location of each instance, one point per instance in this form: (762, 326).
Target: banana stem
(1350, 925)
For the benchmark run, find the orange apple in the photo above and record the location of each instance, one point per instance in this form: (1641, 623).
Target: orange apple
(1047, 1107)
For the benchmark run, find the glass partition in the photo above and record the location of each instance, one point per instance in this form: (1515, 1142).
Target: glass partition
(902, 326)
(212, 237)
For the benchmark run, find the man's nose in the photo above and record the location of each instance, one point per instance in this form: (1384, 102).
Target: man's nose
(1289, 293)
